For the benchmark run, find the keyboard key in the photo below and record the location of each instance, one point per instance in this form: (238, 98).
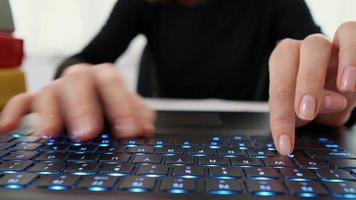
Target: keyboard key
(111, 149)
(201, 151)
(152, 170)
(159, 142)
(29, 139)
(243, 144)
(223, 187)
(335, 175)
(328, 154)
(177, 185)
(83, 157)
(17, 180)
(55, 147)
(148, 159)
(55, 156)
(265, 188)
(4, 146)
(170, 150)
(298, 174)
(115, 158)
(212, 161)
(344, 163)
(230, 152)
(261, 173)
(6, 138)
(224, 172)
(132, 142)
(141, 150)
(85, 148)
(311, 163)
(97, 183)
(262, 153)
(246, 162)
(57, 182)
(137, 184)
(306, 189)
(186, 143)
(81, 168)
(179, 160)
(47, 167)
(343, 190)
(26, 147)
(188, 171)
(314, 145)
(20, 155)
(116, 169)
(14, 166)
(280, 161)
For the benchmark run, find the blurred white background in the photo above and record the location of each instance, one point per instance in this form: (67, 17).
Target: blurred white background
(56, 29)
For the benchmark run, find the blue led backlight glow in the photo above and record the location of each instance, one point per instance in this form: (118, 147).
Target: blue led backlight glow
(189, 176)
(103, 145)
(222, 192)
(224, 177)
(346, 196)
(333, 180)
(117, 174)
(299, 179)
(131, 145)
(57, 187)
(265, 193)
(137, 190)
(214, 147)
(154, 175)
(13, 186)
(177, 191)
(97, 189)
(261, 178)
(308, 194)
(83, 173)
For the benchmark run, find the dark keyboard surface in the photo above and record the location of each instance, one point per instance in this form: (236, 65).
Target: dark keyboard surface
(216, 165)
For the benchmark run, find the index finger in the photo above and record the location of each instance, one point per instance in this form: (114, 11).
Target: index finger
(283, 71)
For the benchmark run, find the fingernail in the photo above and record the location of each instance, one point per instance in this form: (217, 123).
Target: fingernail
(307, 107)
(43, 126)
(348, 79)
(126, 127)
(285, 144)
(334, 104)
(81, 126)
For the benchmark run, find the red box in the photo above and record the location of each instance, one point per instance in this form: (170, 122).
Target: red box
(11, 51)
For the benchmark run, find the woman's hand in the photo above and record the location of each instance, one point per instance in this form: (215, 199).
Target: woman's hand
(313, 80)
(79, 100)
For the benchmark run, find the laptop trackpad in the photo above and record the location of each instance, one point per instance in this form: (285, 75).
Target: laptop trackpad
(189, 119)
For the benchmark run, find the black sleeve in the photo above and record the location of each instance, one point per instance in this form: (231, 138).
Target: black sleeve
(292, 18)
(123, 24)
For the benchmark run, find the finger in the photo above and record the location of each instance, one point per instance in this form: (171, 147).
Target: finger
(283, 72)
(118, 106)
(345, 41)
(315, 54)
(332, 102)
(145, 115)
(14, 110)
(46, 106)
(79, 104)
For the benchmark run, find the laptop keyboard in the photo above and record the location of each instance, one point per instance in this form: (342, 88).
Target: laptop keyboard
(218, 165)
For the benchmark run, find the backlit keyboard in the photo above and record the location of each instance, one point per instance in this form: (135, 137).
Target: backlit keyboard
(216, 165)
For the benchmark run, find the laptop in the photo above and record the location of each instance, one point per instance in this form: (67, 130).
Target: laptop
(193, 155)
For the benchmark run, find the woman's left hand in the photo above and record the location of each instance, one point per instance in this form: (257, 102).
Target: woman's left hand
(313, 80)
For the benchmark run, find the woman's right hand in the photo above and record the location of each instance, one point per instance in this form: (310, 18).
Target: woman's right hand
(78, 101)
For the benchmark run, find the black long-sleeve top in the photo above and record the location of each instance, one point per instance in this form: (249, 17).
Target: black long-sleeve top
(218, 49)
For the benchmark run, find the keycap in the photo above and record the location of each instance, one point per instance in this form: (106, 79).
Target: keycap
(57, 182)
(140, 150)
(334, 175)
(53, 156)
(261, 173)
(152, 170)
(20, 155)
(215, 142)
(26, 147)
(28, 139)
(306, 189)
(188, 171)
(223, 187)
(132, 141)
(17, 180)
(329, 154)
(4, 146)
(47, 167)
(261, 153)
(344, 163)
(314, 145)
(201, 151)
(149, 159)
(137, 184)
(280, 161)
(115, 158)
(85, 148)
(230, 152)
(169, 150)
(179, 160)
(177, 185)
(242, 144)
(224, 172)
(116, 169)
(83, 157)
(311, 163)
(6, 138)
(55, 147)
(212, 161)
(81, 168)
(246, 162)
(14, 166)
(186, 143)
(294, 174)
(343, 190)
(111, 149)
(159, 142)
(265, 187)
(97, 183)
